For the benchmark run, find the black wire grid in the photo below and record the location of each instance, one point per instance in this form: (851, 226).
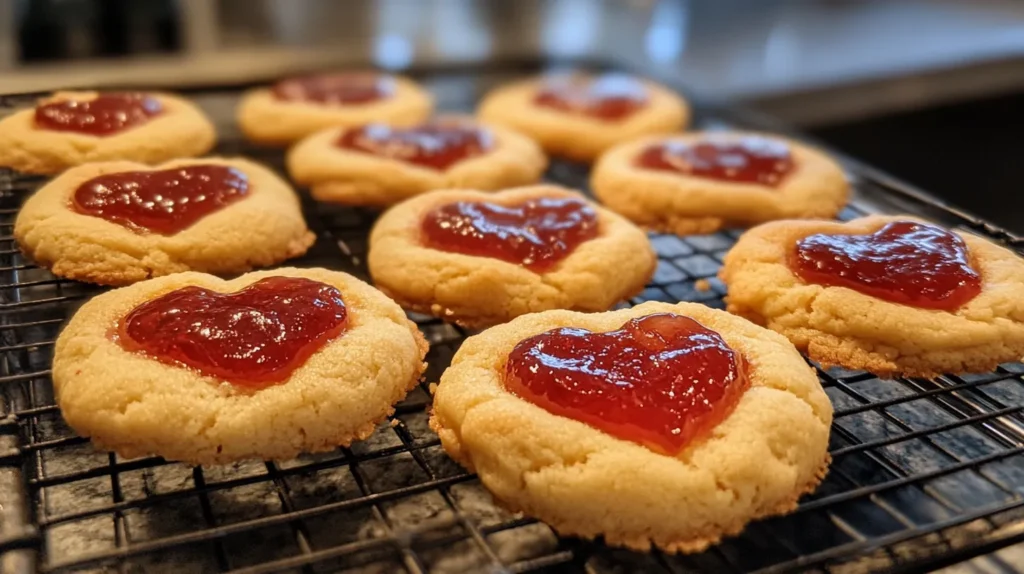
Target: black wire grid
(925, 473)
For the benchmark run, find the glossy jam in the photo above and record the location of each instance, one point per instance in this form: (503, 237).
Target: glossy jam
(609, 97)
(904, 262)
(436, 146)
(337, 89)
(163, 202)
(536, 234)
(662, 380)
(252, 338)
(105, 115)
(756, 160)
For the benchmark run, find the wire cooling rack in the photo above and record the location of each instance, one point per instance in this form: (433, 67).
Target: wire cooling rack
(925, 473)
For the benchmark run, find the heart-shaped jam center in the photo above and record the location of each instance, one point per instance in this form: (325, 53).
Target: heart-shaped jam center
(536, 234)
(252, 338)
(104, 115)
(436, 146)
(165, 201)
(608, 97)
(336, 89)
(662, 380)
(904, 262)
(757, 160)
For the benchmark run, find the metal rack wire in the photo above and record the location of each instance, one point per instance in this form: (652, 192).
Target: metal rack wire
(925, 473)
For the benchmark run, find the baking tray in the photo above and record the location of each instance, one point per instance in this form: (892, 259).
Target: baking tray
(925, 473)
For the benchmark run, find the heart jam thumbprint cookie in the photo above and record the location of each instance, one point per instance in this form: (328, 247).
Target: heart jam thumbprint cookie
(890, 295)
(116, 223)
(197, 369)
(379, 164)
(580, 116)
(698, 421)
(297, 107)
(73, 128)
(701, 182)
(478, 258)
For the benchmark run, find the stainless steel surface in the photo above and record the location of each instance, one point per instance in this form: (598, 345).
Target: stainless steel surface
(808, 62)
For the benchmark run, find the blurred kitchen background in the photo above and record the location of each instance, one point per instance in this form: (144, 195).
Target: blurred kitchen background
(931, 91)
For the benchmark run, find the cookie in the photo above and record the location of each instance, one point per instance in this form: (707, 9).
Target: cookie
(580, 116)
(119, 222)
(477, 258)
(298, 107)
(655, 465)
(701, 182)
(379, 165)
(268, 365)
(72, 128)
(892, 295)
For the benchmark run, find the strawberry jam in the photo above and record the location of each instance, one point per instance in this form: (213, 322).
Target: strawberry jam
(536, 234)
(337, 89)
(609, 97)
(435, 146)
(755, 160)
(163, 202)
(663, 381)
(105, 115)
(252, 338)
(904, 262)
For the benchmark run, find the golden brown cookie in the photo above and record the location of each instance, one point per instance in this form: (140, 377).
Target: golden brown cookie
(298, 107)
(561, 252)
(846, 326)
(161, 127)
(138, 403)
(378, 165)
(770, 448)
(65, 225)
(580, 116)
(701, 182)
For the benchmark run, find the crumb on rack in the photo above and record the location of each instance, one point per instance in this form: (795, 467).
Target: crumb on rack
(702, 285)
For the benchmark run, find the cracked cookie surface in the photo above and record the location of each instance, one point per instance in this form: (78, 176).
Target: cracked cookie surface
(840, 326)
(686, 204)
(265, 119)
(181, 130)
(577, 136)
(261, 229)
(584, 482)
(136, 406)
(478, 291)
(351, 177)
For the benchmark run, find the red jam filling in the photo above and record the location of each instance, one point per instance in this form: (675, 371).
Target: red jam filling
(105, 115)
(662, 380)
(436, 146)
(756, 160)
(337, 89)
(610, 97)
(904, 262)
(163, 202)
(252, 338)
(536, 234)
